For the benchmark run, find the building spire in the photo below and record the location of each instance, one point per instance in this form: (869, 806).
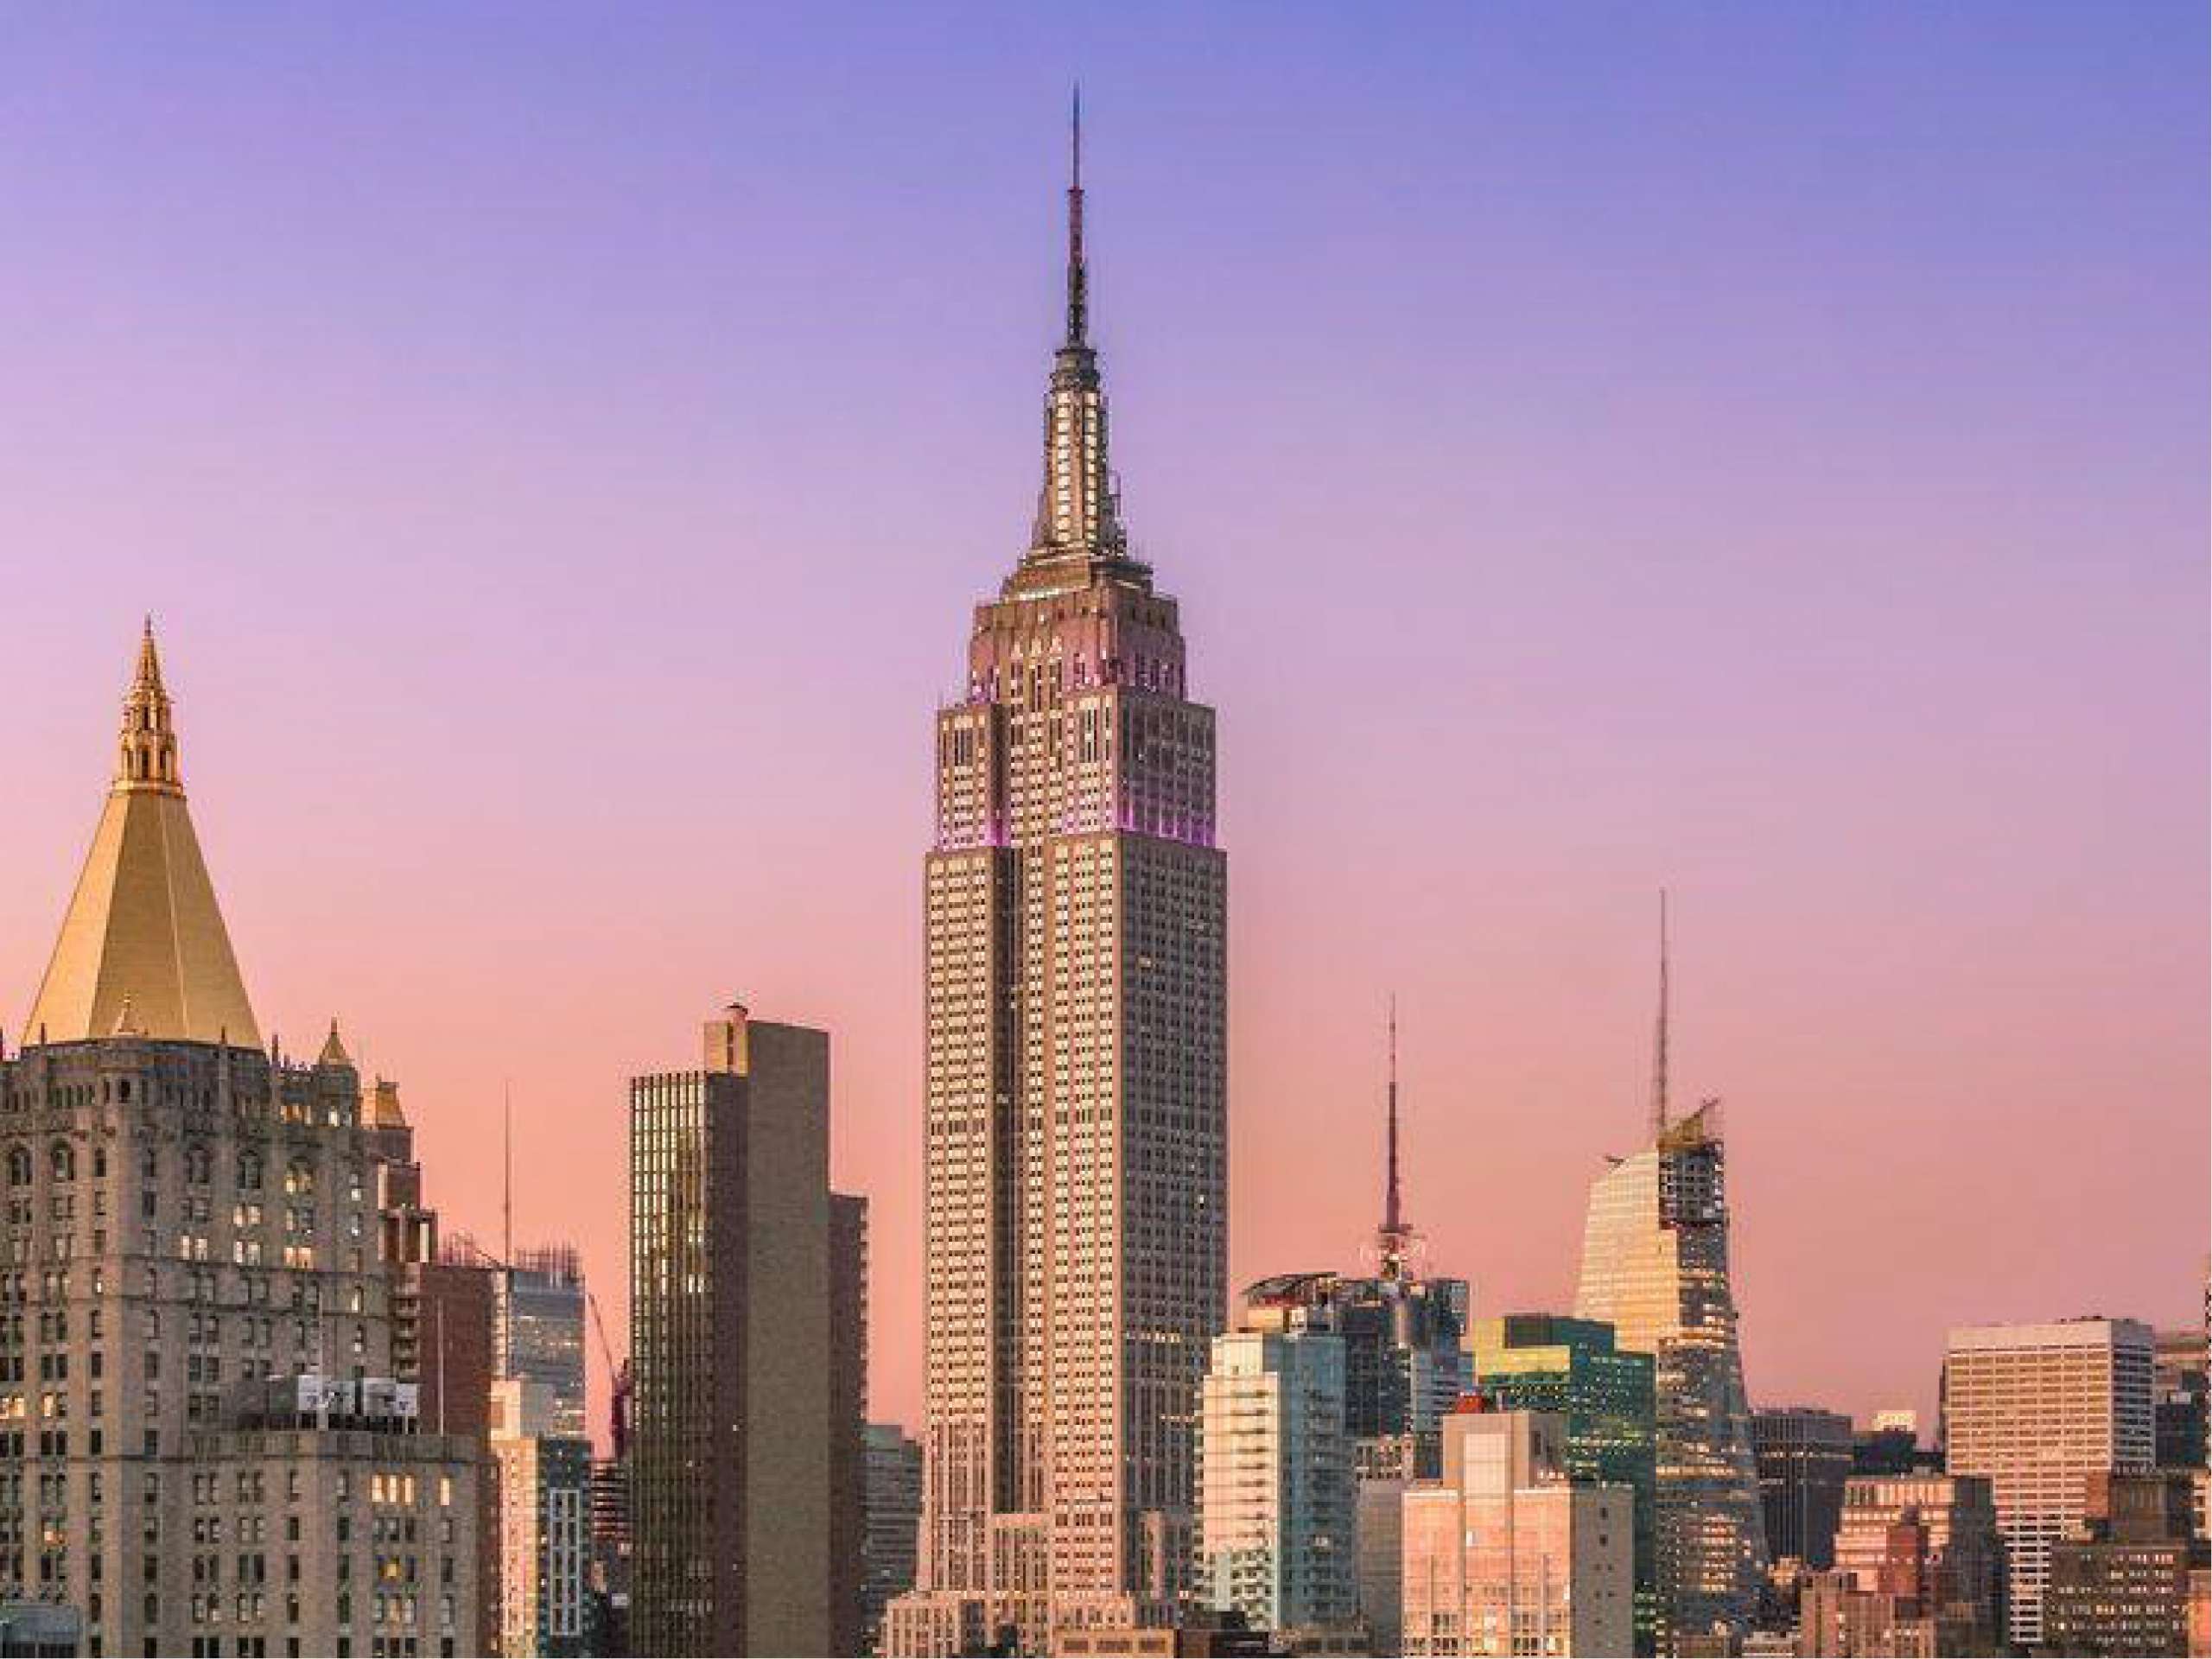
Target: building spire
(146, 751)
(1078, 275)
(1392, 1237)
(1659, 1035)
(1078, 513)
(143, 943)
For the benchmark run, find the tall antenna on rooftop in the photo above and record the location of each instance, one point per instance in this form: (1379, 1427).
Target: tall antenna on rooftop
(1392, 1237)
(506, 1171)
(1659, 1035)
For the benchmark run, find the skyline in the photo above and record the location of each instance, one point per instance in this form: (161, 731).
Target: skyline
(560, 966)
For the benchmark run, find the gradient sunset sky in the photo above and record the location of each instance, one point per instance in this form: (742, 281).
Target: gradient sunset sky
(1758, 450)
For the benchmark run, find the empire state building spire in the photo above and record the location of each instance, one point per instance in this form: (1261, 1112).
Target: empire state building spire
(1079, 514)
(1078, 274)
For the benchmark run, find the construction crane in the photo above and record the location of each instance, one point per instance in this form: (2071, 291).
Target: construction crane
(619, 1378)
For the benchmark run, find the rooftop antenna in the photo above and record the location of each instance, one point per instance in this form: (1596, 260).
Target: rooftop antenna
(506, 1170)
(1659, 1035)
(1391, 1238)
(1078, 276)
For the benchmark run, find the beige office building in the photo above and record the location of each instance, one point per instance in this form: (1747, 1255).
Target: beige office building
(2038, 1409)
(1505, 1554)
(1075, 1079)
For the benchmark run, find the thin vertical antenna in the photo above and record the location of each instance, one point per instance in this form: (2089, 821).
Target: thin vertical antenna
(1659, 1035)
(1078, 277)
(506, 1171)
(1391, 1222)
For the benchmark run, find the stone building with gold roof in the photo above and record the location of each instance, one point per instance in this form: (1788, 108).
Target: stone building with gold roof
(212, 1438)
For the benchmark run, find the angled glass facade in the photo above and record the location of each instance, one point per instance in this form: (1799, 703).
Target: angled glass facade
(1655, 1265)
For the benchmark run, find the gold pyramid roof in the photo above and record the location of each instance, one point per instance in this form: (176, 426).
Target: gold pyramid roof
(143, 942)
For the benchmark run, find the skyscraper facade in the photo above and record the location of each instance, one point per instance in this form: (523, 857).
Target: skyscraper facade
(1276, 1519)
(1541, 1361)
(1804, 1458)
(540, 1329)
(1508, 1555)
(211, 1426)
(2183, 1385)
(544, 1535)
(848, 1418)
(1076, 1075)
(736, 1411)
(1654, 1267)
(894, 1508)
(1919, 1568)
(1405, 1365)
(2038, 1409)
(2120, 1580)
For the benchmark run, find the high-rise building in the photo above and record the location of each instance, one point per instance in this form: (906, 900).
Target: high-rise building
(893, 1509)
(608, 1592)
(1543, 1361)
(1379, 1542)
(2038, 1409)
(540, 1329)
(442, 1334)
(2120, 1580)
(1405, 1366)
(1804, 1456)
(1919, 1569)
(736, 1411)
(538, 1319)
(847, 1420)
(2181, 1391)
(1276, 1515)
(1890, 1446)
(1076, 1143)
(200, 1336)
(1507, 1554)
(543, 1482)
(1654, 1267)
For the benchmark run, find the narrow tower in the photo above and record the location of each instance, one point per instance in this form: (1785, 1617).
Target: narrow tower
(1077, 1140)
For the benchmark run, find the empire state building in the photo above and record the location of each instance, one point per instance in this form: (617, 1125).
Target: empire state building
(1077, 1076)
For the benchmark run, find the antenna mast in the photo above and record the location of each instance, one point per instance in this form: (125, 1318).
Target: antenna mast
(1659, 1035)
(1393, 1237)
(506, 1171)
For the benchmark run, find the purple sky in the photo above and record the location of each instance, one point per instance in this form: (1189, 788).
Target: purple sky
(1761, 450)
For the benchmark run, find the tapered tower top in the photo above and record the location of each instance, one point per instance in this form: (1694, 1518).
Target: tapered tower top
(1079, 509)
(147, 748)
(144, 950)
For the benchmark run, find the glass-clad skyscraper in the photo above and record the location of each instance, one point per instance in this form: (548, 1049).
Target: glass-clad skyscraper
(539, 1329)
(1544, 1361)
(1655, 1265)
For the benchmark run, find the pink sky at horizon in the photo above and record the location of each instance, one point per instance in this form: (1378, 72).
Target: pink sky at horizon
(1585, 466)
